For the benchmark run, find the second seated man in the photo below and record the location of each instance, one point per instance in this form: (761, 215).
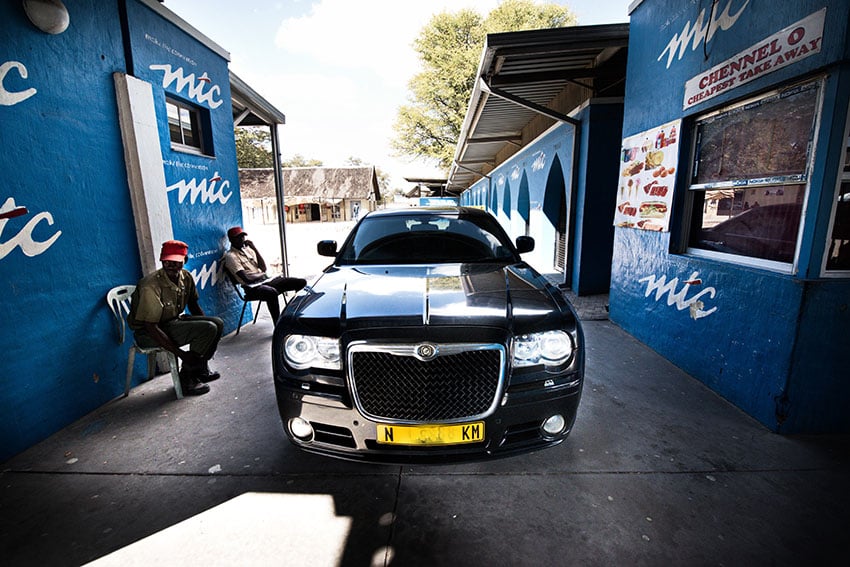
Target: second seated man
(247, 265)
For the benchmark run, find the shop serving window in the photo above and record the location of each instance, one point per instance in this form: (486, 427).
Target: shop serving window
(837, 261)
(187, 126)
(749, 176)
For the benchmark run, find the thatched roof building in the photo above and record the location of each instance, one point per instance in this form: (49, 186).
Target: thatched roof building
(347, 191)
(312, 184)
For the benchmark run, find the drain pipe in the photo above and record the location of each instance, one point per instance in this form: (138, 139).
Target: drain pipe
(554, 115)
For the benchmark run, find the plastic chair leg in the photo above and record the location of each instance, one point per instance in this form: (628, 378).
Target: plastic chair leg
(175, 375)
(241, 316)
(131, 357)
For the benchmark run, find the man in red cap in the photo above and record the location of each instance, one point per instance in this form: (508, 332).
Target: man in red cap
(245, 262)
(157, 318)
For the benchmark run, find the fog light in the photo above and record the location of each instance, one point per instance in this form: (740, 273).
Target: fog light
(301, 428)
(554, 424)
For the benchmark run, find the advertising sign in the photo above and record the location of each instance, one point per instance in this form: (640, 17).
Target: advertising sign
(796, 42)
(647, 178)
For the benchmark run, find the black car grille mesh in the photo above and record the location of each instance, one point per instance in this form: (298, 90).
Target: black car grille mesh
(448, 387)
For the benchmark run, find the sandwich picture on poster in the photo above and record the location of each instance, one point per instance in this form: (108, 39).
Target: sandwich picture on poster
(647, 178)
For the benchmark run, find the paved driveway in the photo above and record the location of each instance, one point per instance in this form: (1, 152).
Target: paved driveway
(658, 471)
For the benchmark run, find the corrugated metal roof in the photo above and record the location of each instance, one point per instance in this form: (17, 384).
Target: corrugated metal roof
(523, 75)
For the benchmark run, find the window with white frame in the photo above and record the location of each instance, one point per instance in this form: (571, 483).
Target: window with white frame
(837, 261)
(749, 176)
(187, 127)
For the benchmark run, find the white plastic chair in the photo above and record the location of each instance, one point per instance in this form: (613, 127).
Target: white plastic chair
(118, 299)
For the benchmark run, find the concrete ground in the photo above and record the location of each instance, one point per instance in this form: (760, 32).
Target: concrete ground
(658, 471)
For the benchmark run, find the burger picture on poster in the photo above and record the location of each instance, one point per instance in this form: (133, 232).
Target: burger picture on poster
(647, 178)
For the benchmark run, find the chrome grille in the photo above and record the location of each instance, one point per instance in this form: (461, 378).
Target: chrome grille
(392, 382)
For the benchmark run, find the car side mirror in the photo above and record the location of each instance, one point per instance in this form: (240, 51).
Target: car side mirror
(326, 248)
(524, 244)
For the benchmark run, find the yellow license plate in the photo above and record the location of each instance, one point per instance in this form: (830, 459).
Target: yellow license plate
(431, 434)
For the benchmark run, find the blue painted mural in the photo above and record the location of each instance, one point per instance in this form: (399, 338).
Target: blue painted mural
(527, 192)
(767, 335)
(67, 227)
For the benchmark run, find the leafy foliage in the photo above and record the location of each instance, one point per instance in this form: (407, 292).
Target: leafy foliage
(449, 47)
(253, 147)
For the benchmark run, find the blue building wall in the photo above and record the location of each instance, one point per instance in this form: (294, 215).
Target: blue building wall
(67, 234)
(202, 191)
(537, 177)
(531, 169)
(773, 343)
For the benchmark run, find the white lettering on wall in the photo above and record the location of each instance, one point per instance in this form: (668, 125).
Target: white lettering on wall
(211, 273)
(662, 287)
(205, 189)
(700, 32)
(194, 87)
(24, 238)
(11, 98)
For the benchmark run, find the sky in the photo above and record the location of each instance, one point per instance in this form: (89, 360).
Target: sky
(339, 69)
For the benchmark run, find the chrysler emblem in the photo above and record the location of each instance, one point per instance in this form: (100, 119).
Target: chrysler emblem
(426, 352)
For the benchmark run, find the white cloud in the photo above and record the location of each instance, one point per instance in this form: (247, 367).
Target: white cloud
(372, 35)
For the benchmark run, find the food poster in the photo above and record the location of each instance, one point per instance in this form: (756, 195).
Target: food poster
(647, 178)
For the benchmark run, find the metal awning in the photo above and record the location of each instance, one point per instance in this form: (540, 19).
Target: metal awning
(523, 75)
(251, 109)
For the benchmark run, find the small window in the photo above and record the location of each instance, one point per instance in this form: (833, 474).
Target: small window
(750, 174)
(187, 126)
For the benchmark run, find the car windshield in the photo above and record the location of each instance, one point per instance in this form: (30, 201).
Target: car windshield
(427, 239)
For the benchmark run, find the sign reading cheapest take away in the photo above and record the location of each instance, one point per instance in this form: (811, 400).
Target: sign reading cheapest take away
(796, 42)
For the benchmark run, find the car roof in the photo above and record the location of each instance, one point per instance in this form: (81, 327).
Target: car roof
(426, 211)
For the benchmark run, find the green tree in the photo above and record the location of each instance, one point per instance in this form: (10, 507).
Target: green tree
(253, 147)
(449, 47)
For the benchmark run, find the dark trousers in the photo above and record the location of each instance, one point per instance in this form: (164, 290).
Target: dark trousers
(270, 291)
(200, 333)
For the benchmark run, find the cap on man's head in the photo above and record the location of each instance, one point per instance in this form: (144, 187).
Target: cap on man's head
(235, 231)
(174, 251)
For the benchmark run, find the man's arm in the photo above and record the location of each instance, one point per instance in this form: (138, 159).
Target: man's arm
(260, 262)
(195, 307)
(165, 342)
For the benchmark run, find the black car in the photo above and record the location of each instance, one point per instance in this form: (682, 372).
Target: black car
(428, 340)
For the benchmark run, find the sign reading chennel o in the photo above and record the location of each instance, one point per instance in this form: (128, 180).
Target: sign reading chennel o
(796, 42)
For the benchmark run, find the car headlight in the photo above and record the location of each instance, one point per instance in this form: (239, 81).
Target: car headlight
(550, 348)
(306, 351)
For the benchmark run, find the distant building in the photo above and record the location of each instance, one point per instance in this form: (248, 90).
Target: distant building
(310, 193)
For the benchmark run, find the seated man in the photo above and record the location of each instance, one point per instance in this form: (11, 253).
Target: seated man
(245, 262)
(157, 319)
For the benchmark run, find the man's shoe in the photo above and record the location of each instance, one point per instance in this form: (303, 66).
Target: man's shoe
(194, 388)
(206, 375)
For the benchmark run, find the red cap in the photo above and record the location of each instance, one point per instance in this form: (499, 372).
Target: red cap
(235, 231)
(174, 251)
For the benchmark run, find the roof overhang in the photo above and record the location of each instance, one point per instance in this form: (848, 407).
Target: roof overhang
(523, 75)
(251, 109)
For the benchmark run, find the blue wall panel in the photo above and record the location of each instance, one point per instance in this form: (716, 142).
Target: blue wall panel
(67, 232)
(202, 190)
(62, 160)
(770, 342)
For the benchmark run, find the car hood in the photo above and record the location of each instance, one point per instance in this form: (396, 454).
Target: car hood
(515, 298)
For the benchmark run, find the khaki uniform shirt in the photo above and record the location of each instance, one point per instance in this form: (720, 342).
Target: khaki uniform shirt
(157, 299)
(243, 258)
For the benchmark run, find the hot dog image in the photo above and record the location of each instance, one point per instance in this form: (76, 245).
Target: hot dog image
(653, 210)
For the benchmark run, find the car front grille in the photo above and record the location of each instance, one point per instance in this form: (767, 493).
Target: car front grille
(391, 382)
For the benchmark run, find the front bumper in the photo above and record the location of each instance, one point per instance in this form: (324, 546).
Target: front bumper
(515, 426)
